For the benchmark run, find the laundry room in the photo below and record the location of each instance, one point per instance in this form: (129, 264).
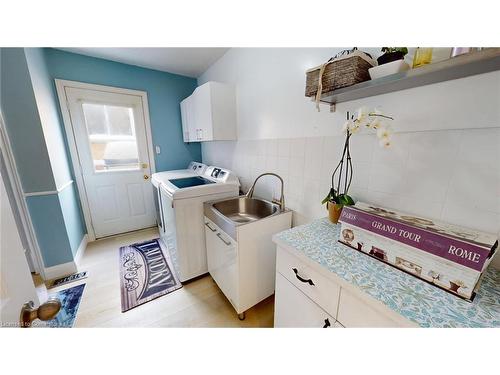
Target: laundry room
(268, 183)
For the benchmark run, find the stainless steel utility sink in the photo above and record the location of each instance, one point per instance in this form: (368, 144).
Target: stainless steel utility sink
(229, 213)
(244, 210)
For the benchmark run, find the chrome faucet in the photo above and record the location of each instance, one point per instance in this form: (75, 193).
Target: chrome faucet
(281, 202)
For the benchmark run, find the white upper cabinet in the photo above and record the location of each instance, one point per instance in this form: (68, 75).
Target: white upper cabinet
(186, 116)
(209, 114)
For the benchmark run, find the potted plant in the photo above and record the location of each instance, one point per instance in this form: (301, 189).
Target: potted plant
(335, 202)
(338, 196)
(392, 54)
(391, 62)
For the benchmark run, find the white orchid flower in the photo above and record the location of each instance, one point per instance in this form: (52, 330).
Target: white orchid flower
(354, 128)
(372, 119)
(384, 132)
(362, 114)
(384, 142)
(375, 123)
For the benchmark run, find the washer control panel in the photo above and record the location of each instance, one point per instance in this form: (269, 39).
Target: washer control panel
(199, 168)
(220, 174)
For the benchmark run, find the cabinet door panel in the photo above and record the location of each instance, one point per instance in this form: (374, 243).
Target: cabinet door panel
(355, 313)
(184, 119)
(317, 287)
(292, 308)
(222, 259)
(202, 113)
(188, 110)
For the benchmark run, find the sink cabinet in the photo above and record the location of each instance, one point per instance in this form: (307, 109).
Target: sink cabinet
(244, 264)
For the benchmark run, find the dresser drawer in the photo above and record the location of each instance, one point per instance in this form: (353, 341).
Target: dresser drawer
(316, 286)
(293, 309)
(353, 312)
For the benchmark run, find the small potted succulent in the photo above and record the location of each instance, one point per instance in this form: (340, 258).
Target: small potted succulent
(392, 54)
(391, 62)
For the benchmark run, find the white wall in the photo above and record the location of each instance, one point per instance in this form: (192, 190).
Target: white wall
(270, 85)
(444, 162)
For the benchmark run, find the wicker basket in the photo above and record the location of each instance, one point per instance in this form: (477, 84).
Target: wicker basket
(338, 73)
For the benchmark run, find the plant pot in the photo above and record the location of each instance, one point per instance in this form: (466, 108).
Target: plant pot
(388, 69)
(389, 57)
(334, 211)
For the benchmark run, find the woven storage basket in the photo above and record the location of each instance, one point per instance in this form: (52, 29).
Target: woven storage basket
(338, 73)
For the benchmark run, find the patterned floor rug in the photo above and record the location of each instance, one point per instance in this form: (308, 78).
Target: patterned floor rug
(68, 279)
(70, 300)
(146, 273)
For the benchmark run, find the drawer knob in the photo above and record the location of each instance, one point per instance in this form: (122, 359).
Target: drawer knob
(327, 323)
(308, 281)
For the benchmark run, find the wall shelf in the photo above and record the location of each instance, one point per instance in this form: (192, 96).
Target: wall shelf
(484, 61)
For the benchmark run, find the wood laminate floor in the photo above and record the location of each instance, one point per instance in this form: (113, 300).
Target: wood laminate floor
(199, 303)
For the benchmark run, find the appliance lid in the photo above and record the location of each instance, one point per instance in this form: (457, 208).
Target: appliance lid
(187, 182)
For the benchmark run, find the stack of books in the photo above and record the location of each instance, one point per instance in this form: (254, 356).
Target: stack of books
(448, 256)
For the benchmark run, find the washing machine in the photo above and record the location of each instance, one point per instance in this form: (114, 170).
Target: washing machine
(180, 198)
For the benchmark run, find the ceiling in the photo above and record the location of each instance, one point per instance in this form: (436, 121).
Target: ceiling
(191, 62)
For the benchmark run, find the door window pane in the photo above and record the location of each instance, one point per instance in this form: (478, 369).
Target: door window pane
(111, 132)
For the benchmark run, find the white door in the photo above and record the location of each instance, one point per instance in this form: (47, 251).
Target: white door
(109, 129)
(16, 284)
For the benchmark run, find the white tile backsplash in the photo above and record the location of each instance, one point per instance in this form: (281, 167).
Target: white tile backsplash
(453, 175)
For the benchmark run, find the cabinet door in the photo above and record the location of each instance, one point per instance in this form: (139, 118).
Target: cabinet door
(353, 312)
(202, 113)
(222, 260)
(185, 114)
(190, 116)
(292, 308)
(223, 99)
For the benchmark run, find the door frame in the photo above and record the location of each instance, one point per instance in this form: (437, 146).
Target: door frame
(14, 180)
(61, 84)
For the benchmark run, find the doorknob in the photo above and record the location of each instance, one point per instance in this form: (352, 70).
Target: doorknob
(46, 311)
(146, 177)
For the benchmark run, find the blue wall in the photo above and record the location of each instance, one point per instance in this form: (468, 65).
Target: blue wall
(48, 110)
(23, 123)
(35, 132)
(73, 221)
(165, 92)
(50, 229)
(55, 141)
(39, 141)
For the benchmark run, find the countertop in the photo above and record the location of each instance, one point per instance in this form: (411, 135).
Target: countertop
(414, 299)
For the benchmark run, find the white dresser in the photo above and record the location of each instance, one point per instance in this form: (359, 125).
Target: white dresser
(307, 296)
(323, 283)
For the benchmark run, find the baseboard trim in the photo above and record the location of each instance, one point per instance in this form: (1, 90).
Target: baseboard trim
(60, 270)
(81, 250)
(68, 268)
